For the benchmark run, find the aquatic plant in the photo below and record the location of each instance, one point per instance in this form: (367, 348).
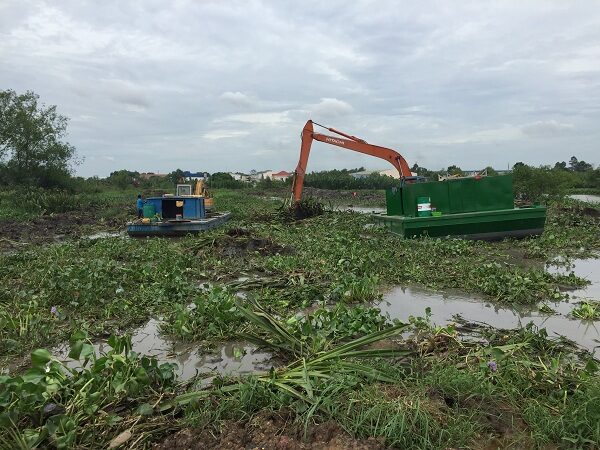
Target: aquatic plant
(587, 310)
(300, 377)
(304, 209)
(53, 405)
(443, 394)
(212, 314)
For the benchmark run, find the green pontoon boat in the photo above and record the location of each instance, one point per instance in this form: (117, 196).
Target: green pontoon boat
(478, 207)
(472, 208)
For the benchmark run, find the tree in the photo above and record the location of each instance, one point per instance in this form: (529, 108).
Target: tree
(176, 176)
(583, 166)
(423, 172)
(560, 165)
(491, 172)
(224, 180)
(455, 170)
(573, 163)
(536, 183)
(593, 178)
(579, 166)
(32, 149)
(123, 178)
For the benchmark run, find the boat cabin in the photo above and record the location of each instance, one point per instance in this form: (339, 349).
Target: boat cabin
(173, 207)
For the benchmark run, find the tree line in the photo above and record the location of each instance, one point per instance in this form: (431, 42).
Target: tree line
(34, 152)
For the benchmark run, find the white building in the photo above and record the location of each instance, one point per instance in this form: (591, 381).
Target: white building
(239, 176)
(387, 172)
(281, 176)
(255, 176)
(262, 175)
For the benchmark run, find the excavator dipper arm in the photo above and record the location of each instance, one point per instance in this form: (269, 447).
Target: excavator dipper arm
(349, 142)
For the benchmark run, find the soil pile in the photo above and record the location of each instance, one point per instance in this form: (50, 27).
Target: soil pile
(49, 228)
(239, 242)
(269, 431)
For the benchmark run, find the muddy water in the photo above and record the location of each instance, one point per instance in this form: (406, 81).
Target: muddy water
(231, 358)
(403, 302)
(586, 198)
(585, 268)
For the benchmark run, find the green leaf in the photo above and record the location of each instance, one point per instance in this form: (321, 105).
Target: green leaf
(142, 375)
(113, 419)
(40, 357)
(591, 367)
(87, 351)
(145, 409)
(78, 336)
(75, 351)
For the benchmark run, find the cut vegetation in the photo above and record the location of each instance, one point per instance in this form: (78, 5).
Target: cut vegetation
(343, 375)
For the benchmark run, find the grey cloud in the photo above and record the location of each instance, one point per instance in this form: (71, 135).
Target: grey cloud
(547, 128)
(236, 98)
(131, 98)
(331, 107)
(229, 85)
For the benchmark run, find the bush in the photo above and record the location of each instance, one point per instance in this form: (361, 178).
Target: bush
(534, 183)
(343, 179)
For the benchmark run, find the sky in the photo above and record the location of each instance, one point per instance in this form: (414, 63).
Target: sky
(228, 85)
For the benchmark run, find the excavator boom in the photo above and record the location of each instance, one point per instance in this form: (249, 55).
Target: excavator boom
(349, 142)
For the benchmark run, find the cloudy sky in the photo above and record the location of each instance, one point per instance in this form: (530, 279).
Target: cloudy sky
(228, 85)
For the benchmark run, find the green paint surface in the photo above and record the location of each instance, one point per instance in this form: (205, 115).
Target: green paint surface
(453, 196)
(484, 224)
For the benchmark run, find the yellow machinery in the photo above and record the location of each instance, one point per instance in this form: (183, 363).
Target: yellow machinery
(201, 191)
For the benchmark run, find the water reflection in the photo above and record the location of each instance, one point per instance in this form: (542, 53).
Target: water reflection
(231, 358)
(402, 302)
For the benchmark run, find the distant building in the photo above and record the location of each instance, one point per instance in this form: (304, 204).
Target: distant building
(387, 172)
(472, 173)
(281, 176)
(262, 175)
(256, 175)
(239, 176)
(148, 175)
(194, 176)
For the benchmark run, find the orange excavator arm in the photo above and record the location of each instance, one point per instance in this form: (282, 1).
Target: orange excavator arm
(350, 143)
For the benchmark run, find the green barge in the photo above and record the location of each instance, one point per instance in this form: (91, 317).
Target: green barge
(471, 208)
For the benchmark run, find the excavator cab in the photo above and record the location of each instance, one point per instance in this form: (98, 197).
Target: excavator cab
(201, 191)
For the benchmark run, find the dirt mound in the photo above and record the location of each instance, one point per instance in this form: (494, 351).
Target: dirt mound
(573, 215)
(306, 208)
(50, 228)
(238, 232)
(592, 212)
(239, 242)
(269, 431)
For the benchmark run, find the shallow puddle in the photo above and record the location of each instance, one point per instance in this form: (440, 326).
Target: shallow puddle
(361, 209)
(231, 358)
(403, 302)
(106, 234)
(584, 268)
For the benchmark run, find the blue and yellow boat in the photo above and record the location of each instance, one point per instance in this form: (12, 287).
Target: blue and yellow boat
(177, 215)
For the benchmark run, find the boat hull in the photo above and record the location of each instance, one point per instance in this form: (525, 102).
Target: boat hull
(486, 225)
(175, 227)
